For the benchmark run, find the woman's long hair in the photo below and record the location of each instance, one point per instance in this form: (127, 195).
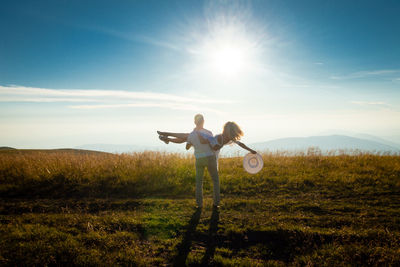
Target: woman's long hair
(233, 131)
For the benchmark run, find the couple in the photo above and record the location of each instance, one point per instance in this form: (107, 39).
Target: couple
(206, 150)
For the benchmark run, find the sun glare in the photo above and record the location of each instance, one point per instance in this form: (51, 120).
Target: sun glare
(227, 51)
(227, 60)
(228, 56)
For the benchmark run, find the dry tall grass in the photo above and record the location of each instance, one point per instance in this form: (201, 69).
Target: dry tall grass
(73, 174)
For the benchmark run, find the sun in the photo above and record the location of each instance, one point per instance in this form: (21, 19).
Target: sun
(227, 60)
(227, 52)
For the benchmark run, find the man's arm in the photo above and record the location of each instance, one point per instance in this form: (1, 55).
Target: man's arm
(189, 141)
(188, 145)
(245, 147)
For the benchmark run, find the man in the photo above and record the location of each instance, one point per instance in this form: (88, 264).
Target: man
(205, 157)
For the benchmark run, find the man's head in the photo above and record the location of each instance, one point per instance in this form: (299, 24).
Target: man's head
(199, 120)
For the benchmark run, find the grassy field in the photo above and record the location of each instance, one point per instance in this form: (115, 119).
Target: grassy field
(85, 208)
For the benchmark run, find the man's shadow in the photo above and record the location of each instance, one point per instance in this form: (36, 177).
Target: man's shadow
(184, 246)
(212, 237)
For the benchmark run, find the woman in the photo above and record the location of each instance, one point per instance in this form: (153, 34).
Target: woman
(231, 134)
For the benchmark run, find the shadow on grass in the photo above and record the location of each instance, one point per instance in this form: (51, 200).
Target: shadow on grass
(212, 237)
(184, 247)
(211, 243)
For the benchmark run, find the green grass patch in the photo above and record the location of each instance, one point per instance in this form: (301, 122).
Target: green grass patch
(70, 208)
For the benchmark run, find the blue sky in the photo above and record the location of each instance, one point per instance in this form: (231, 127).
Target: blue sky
(79, 72)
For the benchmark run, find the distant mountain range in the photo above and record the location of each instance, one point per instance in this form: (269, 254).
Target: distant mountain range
(378, 139)
(328, 143)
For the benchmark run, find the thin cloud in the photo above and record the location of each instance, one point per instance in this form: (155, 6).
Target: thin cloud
(136, 38)
(365, 74)
(129, 37)
(21, 92)
(371, 103)
(156, 42)
(107, 98)
(105, 30)
(175, 106)
(45, 100)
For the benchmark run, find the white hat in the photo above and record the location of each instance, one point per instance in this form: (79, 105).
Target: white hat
(253, 163)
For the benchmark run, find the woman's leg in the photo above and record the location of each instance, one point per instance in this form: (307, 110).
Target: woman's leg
(177, 140)
(212, 166)
(173, 140)
(177, 135)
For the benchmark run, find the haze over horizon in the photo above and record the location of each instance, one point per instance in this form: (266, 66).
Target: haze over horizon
(74, 73)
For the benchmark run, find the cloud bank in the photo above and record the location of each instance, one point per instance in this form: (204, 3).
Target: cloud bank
(101, 99)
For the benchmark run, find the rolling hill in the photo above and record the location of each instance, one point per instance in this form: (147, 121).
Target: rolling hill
(6, 148)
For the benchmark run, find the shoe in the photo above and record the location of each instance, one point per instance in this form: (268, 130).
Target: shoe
(164, 139)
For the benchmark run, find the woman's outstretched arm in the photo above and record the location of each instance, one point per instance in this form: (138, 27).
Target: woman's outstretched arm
(245, 147)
